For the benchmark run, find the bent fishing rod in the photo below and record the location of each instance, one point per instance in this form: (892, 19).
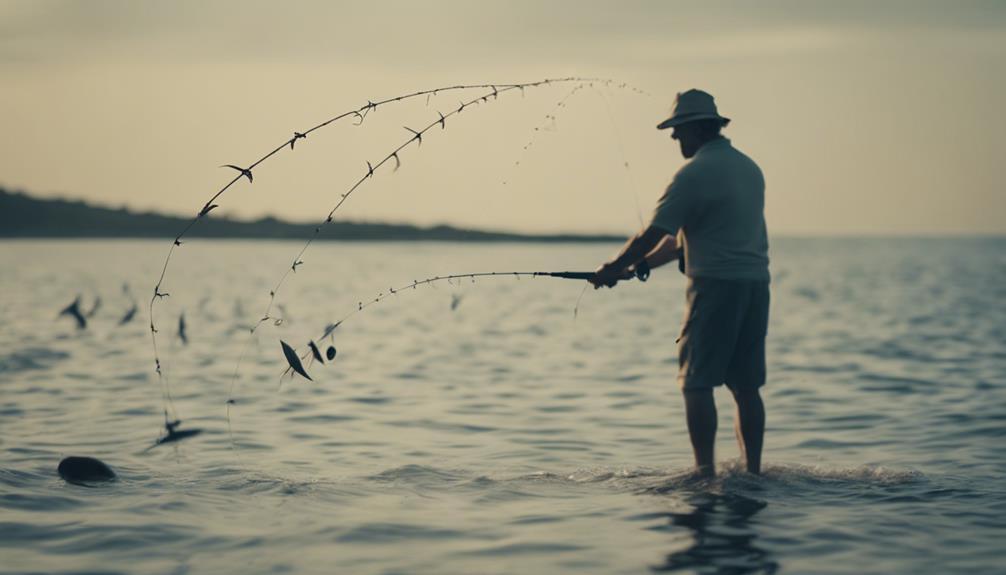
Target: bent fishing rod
(641, 272)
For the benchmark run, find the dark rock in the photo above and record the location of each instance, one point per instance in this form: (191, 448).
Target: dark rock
(84, 470)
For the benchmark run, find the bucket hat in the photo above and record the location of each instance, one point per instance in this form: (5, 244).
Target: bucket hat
(690, 106)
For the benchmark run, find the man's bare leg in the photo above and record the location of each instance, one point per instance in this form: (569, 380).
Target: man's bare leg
(750, 427)
(700, 411)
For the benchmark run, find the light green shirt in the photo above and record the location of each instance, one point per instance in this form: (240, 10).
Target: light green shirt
(716, 206)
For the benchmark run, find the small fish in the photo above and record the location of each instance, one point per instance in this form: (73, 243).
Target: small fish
(173, 436)
(129, 315)
(73, 310)
(315, 352)
(181, 330)
(293, 360)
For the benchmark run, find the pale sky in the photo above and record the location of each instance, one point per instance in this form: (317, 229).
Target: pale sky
(866, 117)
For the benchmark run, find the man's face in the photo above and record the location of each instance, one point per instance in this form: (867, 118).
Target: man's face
(686, 136)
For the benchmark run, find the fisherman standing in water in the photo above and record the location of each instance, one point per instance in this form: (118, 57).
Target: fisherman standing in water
(713, 214)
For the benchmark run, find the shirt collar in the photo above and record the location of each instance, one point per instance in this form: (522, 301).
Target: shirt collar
(717, 142)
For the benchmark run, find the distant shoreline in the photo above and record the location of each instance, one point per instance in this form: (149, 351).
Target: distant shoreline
(25, 217)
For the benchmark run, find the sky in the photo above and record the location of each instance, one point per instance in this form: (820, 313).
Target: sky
(867, 118)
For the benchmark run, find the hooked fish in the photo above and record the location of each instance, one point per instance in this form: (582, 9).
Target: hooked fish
(293, 360)
(181, 330)
(315, 352)
(129, 315)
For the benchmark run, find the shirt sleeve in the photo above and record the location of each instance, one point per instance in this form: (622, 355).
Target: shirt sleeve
(676, 205)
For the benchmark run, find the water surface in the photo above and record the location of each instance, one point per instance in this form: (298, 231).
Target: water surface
(504, 435)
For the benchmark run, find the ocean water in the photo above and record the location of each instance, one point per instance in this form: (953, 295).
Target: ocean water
(479, 427)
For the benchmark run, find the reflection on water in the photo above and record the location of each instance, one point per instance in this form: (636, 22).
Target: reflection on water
(722, 535)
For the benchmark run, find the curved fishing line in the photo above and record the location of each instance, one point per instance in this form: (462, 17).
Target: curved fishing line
(246, 172)
(625, 159)
(628, 171)
(329, 332)
(550, 118)
(417, 137)
(579, 298)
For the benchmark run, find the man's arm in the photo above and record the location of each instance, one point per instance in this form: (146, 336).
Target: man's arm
(666, 251)
(631, 253)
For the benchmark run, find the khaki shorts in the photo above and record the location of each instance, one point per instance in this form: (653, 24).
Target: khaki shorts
(723, 337)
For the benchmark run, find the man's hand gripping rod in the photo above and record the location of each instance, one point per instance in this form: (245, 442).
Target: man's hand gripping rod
(641, 273)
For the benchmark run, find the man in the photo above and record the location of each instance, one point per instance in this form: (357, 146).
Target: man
(713, 212)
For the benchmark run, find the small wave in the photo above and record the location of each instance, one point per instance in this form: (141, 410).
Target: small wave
(866, 474)
(516, 549)
(323, 418)
(420, 474)
(45, 502)
(731, 477)
(383, 533)
(462, 428)
(264, 484)
(775, 478)
(33, 358)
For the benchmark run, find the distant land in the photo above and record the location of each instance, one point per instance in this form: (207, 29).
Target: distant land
(24, 216)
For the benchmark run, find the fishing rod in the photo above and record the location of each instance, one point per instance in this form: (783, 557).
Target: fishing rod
(359, 114)
(641, 272)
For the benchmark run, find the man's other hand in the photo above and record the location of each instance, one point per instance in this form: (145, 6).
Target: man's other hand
(608, 276)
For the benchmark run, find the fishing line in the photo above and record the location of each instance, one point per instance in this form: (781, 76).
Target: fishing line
(621, 149)
(549, 119)
(628, 171)
(295, 361)
(579, 298)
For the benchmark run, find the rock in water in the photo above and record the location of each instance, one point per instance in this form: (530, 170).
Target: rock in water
(84, 469)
